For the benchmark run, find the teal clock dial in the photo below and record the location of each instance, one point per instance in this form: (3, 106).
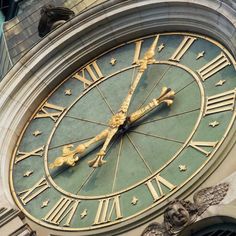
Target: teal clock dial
(131, 128)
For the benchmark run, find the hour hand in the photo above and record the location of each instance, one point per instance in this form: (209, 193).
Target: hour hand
(167, 97)
(98, 160)
(69, 156)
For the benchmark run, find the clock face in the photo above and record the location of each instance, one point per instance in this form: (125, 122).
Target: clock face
(148, 160)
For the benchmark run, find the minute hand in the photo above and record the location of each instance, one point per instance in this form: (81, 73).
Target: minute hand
(147, 59)
(120, 117)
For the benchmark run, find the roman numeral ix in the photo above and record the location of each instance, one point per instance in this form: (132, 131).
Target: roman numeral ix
(23, 155)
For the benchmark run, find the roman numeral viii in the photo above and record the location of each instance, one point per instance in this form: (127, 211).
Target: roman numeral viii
(106, 208)
(220, 102)
(91, 73)
(31, 193)
(64, 209)
(155, 186)
(213, 66)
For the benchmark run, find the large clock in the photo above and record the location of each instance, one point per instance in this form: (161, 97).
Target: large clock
(127, 130)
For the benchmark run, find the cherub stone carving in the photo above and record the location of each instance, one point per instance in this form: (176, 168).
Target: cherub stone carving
(178, 215)
(51, 17)
(181, 213)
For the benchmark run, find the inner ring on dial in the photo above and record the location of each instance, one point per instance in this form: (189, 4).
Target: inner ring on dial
(202, 92)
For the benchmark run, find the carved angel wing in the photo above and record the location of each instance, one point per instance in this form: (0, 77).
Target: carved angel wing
(210, 196)
(154, 229)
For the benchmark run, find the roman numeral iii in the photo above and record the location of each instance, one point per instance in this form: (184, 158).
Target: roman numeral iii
(220, 102)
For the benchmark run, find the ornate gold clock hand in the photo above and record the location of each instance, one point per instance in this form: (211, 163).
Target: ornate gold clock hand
(116, 121)
(167, 96)
(68, 156)
(119, 118)
(147, 59)
(98, 161)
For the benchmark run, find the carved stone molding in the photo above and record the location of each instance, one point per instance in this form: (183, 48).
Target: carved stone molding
(7, 214)
(11, 223)
(24, 230)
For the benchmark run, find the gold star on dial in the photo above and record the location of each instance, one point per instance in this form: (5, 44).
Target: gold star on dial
(220, 83)
(134, 200)
(28, 173)
(161, 47)
(182, 167)
(68, 92)
(214, 124)
(36, 133)
(45, 203)
(84, 213)
(200, 54)
(113, 61)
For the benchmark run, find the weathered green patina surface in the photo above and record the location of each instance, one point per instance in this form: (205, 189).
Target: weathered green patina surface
(153, 159)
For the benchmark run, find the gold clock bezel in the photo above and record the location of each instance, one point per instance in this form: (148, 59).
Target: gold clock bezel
(144, 212)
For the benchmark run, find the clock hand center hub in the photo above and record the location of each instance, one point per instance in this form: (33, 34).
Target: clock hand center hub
(117, 120)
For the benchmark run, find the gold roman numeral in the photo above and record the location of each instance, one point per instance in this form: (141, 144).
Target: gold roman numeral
(23, 155)
(64, 208)
(215, 65)
(93, 71)
(106, 208)
(183, 47)
(220, 102)
(155, 187)
(31, 193)
(50, 111)
(199, 144)
(138, 48)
